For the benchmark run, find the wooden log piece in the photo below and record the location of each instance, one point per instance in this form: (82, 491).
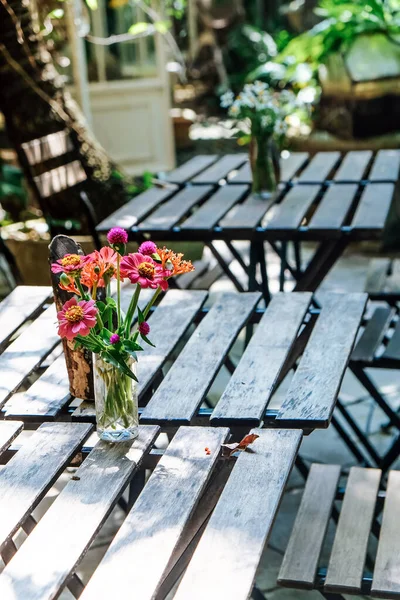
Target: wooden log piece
(79, 362)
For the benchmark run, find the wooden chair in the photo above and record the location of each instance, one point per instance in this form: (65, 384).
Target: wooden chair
(52, 168)
(361, 501)
(383, 280)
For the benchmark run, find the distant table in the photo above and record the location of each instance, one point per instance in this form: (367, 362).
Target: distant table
(288, 329)
(330, 198)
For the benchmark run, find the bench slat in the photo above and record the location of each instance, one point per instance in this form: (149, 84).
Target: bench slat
(300, 563)
(131, 213)
(23, 303)
(354, 166)
(141, 550)
(190, 377)
(225, 562)
(319, 168)
(377, 275)
(191, 168)
(346, 564)
(172, 211)
(386, 582)
(291, 211)
(262, 361)
(372, 335)
(291, 164)
(334, 207)
(220, 169)
(312, 394)
(32, 471)
(392, 350)
(374, 206)
(208, 215)
(8, 433)
(27, 352)
(386, 166)
(63, 535)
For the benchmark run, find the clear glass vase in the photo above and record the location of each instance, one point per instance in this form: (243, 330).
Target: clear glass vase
(262, 166)
(116, 400)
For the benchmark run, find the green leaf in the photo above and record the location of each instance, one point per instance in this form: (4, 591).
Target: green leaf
(132, 346)
(140, 316)
(100, 305)
(111, 302)
(139, 28)
(162, 26)
(146, 339)
(116, 359)
(57, 13)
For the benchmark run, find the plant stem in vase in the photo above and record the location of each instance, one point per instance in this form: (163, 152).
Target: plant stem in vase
(116, 399)
(262, 166)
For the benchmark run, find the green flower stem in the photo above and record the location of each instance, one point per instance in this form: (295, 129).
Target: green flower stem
(118, 291)
(147, 310)
(131, 310)
(80, 288)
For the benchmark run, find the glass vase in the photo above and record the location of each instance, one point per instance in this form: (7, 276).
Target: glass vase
(116, 400)
(262, 166)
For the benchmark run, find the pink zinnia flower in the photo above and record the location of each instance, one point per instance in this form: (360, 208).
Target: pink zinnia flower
(71, 264)
(76, 318)
(144, 328)
(143, 270)
(147, 248)
(116, 236)
(114, 339)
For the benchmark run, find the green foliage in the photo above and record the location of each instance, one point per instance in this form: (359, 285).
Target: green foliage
(343, 22)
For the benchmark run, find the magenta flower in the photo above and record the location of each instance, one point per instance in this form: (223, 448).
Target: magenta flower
(117, 236)
(147, 248)
(143, 270)
(76, 318)
(72, 264)
(114, 339)
(144, 328)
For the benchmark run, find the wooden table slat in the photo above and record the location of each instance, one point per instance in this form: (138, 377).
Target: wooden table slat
(262, 361)
(141, 550)
(300, 563)
(208, 215)
(334, 207)
(226, 559)
(45, 398)
(373, 334)
(63, 535)
(8, 433)
(312, 394)
(354, 166)
(346, 564)
(187, 382)
(220, 169)
(386, 166)
(191, 168)
(27, 352)
(392, 350)
(172, 211)
(385, 582)
(319, 167)
(374, 205)
(291, 211)
(23, 303)
(31, 472)
(249, 213)
(289, 167)
(137, 209)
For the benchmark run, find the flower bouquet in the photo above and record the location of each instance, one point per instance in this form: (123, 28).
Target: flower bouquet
(103, 328)
(261, 114)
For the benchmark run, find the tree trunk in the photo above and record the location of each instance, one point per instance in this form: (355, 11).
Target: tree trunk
(34, 103)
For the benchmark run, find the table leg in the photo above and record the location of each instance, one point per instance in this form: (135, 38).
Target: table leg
(320, 265)
(297, 258)
(283, 266)
(225, 267)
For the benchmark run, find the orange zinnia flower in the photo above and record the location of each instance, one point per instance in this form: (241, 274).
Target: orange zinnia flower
(101, 263)
(173, 263)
